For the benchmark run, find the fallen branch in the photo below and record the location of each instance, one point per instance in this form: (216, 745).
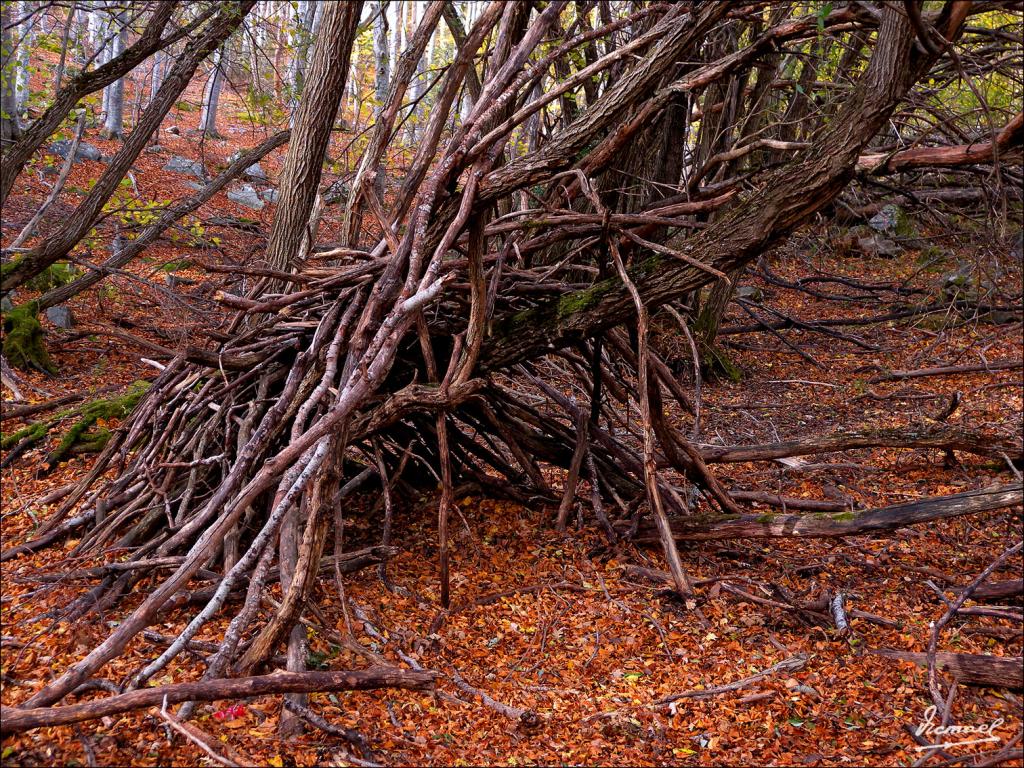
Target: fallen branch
(792, 664)
(789, 502)
(525, 717)
(1011, 135)
(14, 720)
(202, 739)
(997, 590)
(1002, 365)
(937, 437)
(969, 668)
(838, 607)
(826, 525)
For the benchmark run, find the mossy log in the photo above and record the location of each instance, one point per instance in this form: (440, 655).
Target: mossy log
(827, 525)
(83, 436)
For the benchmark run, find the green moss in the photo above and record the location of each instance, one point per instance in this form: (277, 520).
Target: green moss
(23, 339)
(578, 301)
(54, 276)
(843, 517)
(83, 436)
(33, 433)
(10, 266)
(904, 227)
(717, 363)
(79, 435)
(767, 517)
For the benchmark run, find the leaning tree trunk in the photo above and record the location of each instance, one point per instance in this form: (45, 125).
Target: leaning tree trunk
(311, 136)
(58, 245)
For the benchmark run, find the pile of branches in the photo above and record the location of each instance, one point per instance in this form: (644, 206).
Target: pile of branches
(500, 326)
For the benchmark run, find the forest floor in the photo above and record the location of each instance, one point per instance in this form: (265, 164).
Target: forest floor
(561, 626)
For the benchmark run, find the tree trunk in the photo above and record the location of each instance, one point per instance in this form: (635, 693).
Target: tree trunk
(58, 245)
(381, 76)
(157, 77)
(113, 125)
(151, 40)
(26, 43)
(65, 41)
(211, 97)
(10, 128)
(314, 121)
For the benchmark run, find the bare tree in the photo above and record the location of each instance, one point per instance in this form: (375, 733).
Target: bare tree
(211, 96)
(314, 121)
(113, 125)
(10, 127)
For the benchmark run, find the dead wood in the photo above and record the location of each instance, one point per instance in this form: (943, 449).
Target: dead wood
(997, 590)
(712, 527)
(948, 370)
(969, 668)
(933, 436)
(16, 720)
(793, 664)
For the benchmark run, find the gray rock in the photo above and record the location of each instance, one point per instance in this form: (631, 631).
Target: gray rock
(886, 220)
(337, 192)
(254, 171)
(174, 281)
(876, 245)
(1017, 249)
(270, 195)
(751, 292)
(6, 305)
(86, 151)
(154, 149)
(195, 185)
(60, 317)
(246, 195)
(184, 165)
(173, 130)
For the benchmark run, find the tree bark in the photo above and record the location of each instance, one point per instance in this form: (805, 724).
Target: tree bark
(825, 525)
(14, 720)
(58, 245)
(15, 157)
(314, 120)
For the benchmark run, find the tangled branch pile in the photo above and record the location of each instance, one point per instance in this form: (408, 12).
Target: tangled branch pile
(501, 323)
